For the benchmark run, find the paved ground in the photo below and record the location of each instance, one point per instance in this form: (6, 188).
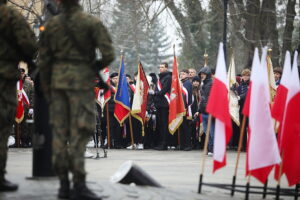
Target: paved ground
(177, 171)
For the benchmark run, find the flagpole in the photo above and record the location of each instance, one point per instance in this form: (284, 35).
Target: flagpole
(279, 179)
(204, 152)
(131, 132)
(296, 190)
(248, 187)
(242, 132)
(178, 138)
(107, 126)
(18, 135)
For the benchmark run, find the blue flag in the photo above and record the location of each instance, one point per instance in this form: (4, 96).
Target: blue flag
(122, 106)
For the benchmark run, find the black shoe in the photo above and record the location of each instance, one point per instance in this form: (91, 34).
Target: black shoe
(187, 149)
(13, 146)
(81, 192)
(6, 186)
(161, 148)
(64, 190)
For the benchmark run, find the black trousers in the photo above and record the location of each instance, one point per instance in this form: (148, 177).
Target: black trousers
(162, 125)
(185, 133)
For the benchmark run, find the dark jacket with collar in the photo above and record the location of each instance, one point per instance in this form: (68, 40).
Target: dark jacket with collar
(165, 79)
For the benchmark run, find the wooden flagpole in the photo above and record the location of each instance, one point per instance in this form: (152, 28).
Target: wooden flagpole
(178, 138)
(131, 131)
(204, 152)
(107, 126)
(242, 132)
(18, 130)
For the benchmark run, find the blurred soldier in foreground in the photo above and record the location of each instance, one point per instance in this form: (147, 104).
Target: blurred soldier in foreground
(17, 41)
(67, 53)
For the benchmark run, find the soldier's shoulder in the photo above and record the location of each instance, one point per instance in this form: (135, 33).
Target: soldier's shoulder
(89, 19)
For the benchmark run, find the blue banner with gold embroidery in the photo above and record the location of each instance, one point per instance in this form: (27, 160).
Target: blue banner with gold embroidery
(122, 106)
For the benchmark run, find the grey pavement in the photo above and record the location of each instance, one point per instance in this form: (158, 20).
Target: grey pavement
(177, 171)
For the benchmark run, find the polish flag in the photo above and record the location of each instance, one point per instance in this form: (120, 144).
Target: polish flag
(262, 151)
(279, 105)
(104, 96)
(290, 137)
(218, 107)
(282, 90)
(22, 98)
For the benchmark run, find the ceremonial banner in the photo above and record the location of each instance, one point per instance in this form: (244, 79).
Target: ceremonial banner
(122, 106)
(233, 99)
(176, 109)
(218, 107)
(22, 98)
(271, 78)
(139, 104)
(262, 151)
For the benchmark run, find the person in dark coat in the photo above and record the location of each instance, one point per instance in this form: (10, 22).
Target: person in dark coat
(206, 78)
(162, 105)
(115, 129)
(241, 90)
(185, 131)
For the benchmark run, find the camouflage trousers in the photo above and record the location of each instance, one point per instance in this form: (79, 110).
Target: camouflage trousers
(8, 103)
(73, 122)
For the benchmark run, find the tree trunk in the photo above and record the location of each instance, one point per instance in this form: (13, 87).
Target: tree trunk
(251, 27)
(289, 28)
(268, 29)
(188, 37)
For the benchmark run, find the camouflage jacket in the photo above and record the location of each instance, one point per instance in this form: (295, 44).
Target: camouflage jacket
(61, 64)
(13, 27)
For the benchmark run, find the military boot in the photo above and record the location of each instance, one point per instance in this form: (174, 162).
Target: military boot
(64, 190)
(82, 192)
(6, 186)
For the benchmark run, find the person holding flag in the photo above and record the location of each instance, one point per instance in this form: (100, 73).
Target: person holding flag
(114, 128)
(139, 104)
(177, 108)
(122, 97)
(162, 100)
(187, 90)
(206, 78)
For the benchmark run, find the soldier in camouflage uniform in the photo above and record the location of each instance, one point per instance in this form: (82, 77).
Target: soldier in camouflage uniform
(67, 77)
(13, 27)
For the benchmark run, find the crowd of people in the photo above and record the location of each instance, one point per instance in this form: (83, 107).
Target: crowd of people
(191, 134)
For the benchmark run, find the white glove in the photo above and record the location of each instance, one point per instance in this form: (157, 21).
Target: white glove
(30, 112)
(151, 92)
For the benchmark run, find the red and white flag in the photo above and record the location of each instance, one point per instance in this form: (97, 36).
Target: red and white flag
(102, 99)
(282, 90)
(139, 105)
(218, 107)
(176, 109)
(290, 137)
(22, 98)
(262, 150)
(279, 105)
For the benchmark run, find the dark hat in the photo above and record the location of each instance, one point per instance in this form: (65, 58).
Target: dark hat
(278, 70)
(205, 70)
(127, 75)
(114, 75)
(154, 77)
(196, 78)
